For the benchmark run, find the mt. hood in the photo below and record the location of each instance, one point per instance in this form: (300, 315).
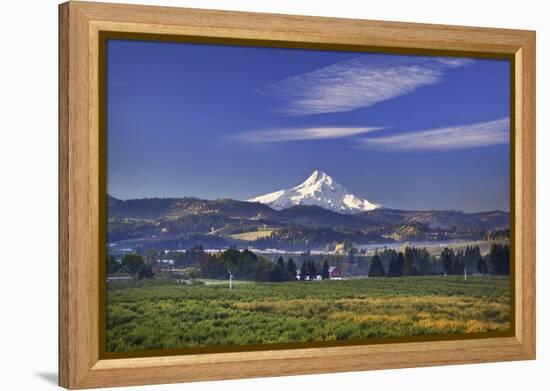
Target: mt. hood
(319, 190)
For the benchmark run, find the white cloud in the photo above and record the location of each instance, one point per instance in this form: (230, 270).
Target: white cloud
(360, 82)
(453, 62)
(310, 133)
(455, 137)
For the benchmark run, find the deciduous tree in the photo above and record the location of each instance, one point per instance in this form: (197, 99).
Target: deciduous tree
(132, 264)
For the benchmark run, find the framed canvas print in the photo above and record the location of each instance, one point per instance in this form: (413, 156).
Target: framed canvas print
(247, 195)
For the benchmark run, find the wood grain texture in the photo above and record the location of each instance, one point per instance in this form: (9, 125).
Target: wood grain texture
(79, 169)
(525, 119)
(63, 221)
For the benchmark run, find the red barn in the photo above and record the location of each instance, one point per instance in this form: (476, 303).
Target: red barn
(334, 273)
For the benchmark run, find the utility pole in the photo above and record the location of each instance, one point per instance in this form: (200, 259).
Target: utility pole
(465, 274)
(230, 280)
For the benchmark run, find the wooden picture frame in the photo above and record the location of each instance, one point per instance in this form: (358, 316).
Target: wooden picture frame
(80, 168)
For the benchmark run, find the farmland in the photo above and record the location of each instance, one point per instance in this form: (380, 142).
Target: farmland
(250, 236)
(160, 314)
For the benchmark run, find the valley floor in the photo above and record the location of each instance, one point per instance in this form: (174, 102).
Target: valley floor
(158, 315)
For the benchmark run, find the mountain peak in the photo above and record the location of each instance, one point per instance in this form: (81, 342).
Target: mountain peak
(317, 177)
(319, 189)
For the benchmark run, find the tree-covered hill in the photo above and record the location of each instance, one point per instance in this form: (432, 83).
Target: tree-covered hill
(180, 221)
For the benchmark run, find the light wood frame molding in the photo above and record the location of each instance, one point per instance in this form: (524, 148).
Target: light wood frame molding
(80, 365)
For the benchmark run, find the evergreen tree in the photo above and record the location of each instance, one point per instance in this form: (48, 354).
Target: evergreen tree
(304, 272)
(458, 264)
(263, 269)
(278, 273)
(376, 268)
(312, 270)
(396, 265)
(113, 265)
(499, 257)
(247, 265)
(447, 259)
(425, 266)
(482, 266)
(325, 274)
(409, 269)
(471, 257)
(291, 269)
(387, 255)
(281, 269)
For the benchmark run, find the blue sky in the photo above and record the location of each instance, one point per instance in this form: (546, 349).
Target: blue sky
(214, 121)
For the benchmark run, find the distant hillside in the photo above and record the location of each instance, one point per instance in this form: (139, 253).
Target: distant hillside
(318, 217)
(183, 221)
(170, 208)
(442, 219)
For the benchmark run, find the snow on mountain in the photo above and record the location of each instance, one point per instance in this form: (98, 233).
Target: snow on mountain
(319, 190)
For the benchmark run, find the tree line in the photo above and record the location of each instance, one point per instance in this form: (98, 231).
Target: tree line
(414, 261)
(133, 264)
(247, 265)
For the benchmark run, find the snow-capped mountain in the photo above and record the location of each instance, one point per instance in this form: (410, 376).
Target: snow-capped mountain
(319, 190)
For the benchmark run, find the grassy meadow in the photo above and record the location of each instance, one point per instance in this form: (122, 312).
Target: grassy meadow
(162, 315)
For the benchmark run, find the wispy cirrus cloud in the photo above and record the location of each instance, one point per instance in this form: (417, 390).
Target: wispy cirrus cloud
(455, 137)
(304, 133)
(359, 82)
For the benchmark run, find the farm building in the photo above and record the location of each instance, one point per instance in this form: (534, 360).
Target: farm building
(334, 273)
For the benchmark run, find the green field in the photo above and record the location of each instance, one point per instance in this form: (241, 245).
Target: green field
(162, 315)
(253, 235)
